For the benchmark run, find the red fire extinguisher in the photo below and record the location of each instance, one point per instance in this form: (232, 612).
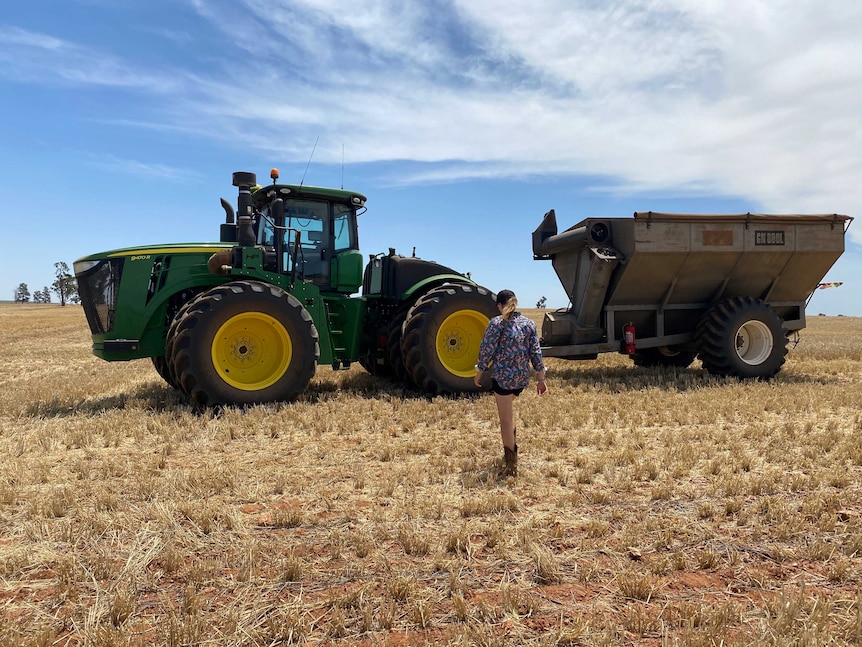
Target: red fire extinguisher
(629, 338)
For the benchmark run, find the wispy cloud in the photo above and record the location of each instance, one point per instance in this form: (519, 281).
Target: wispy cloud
(30, 57)
(688, 94)
(758, 99)
(136, 168)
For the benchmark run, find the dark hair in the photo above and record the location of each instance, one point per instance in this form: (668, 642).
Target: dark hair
(503, 297)
(509, 301)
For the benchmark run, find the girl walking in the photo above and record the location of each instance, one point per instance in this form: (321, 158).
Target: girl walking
(509, 347)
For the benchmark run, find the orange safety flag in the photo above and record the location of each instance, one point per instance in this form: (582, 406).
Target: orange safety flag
(833, 284)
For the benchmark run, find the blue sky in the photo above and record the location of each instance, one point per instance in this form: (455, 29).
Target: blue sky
(463, 121)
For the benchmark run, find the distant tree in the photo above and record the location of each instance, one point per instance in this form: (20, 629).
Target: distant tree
(541, 302)
(42, 296)
(22, 294)
(65, 286)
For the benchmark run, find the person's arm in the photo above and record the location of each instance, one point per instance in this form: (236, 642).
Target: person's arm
(486, 351)
(537, 361)
(477, 379)
(541, 385)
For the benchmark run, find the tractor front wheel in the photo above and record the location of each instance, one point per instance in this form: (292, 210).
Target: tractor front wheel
(442, 334)
(743, 337)
(170, 376)
(161, 366)
(242, 343)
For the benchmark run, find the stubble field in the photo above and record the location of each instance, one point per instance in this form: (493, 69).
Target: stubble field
(653, 507)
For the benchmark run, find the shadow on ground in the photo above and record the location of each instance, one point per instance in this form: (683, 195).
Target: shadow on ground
(158, 397)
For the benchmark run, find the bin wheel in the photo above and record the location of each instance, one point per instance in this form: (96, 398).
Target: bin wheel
(743, 337)
(663, 356)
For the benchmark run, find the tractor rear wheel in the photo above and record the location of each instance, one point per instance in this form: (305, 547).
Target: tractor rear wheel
(242, 343)
(393, 350)
(442, 334)
(742, 336)
(663, 356)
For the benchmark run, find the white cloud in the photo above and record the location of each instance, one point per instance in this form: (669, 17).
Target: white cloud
(748, 100)
(755, 98)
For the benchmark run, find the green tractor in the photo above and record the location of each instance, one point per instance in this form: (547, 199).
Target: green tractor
(248, 319)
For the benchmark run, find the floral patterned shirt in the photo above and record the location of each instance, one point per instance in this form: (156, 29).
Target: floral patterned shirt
(509, 347)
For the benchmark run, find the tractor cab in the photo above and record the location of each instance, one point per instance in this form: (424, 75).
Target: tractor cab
(314, 232)
(308, 233)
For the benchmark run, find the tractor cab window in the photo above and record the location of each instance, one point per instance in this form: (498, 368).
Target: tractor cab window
(344, 229)
(311, 219)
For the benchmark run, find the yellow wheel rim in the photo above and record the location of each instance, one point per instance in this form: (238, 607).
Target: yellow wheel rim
(458, 340)
(251, 351)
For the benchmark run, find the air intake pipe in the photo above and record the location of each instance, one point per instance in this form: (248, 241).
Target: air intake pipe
(244, 180)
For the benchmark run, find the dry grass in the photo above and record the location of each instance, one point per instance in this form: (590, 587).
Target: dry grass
(654, 507)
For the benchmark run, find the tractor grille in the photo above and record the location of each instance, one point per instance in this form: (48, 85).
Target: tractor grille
(98, 287)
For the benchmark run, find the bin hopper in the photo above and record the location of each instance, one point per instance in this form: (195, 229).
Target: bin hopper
(671, 275)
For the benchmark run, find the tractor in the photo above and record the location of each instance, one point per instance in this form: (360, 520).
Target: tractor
(248, 319)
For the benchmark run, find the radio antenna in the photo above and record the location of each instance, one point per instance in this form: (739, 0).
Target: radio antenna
(342, 167)
(301, 182)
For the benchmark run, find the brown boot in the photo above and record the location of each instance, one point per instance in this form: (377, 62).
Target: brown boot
(510, 461)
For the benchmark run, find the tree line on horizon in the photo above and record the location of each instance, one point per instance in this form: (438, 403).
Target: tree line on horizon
(64, 286)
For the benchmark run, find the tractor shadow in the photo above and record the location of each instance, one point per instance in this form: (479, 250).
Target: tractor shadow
(157, 397)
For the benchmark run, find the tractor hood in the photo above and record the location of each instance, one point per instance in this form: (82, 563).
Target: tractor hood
(150, 250)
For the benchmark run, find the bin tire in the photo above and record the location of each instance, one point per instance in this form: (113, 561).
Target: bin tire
(742, 337)
(663, 356)
(442, 334)
(244, 342)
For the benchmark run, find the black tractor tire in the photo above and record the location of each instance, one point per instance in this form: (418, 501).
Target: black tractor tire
(161, 366)
(372, 366)
(441, 337)
(170, 336)
(244, 342)
(663, 356)
(371, 360)
(393, 350)
(742, 337)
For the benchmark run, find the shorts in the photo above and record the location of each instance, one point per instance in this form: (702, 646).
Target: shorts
(499, 390)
